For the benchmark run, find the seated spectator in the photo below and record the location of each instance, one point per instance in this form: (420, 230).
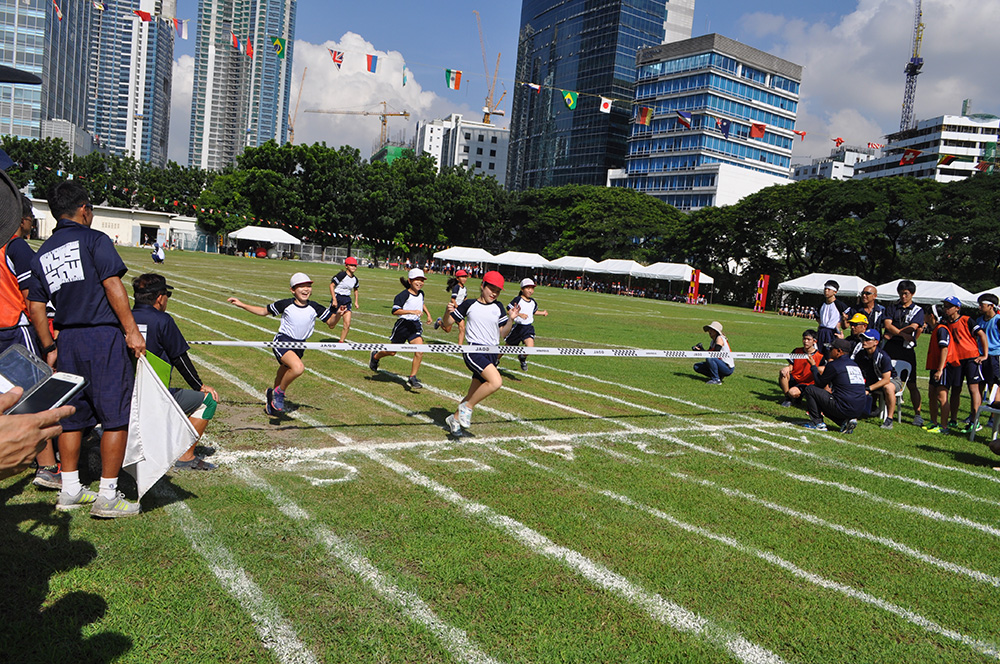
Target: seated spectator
(716, 368)
(847, 399)
(880, 375)
(798, 373)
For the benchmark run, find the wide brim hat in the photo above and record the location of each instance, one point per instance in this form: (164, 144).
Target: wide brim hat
(714, 325)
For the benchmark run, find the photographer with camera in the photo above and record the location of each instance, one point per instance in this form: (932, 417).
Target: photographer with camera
(716, 368)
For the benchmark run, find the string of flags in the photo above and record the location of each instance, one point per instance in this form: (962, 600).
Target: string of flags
(180, 26)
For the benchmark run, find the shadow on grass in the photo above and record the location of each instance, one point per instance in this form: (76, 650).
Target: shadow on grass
(963, 456)
(31, 631)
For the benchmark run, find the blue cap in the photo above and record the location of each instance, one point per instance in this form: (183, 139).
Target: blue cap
(953, 301)
(871, 335)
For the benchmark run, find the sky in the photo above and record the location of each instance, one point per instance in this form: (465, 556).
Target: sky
(853, 53)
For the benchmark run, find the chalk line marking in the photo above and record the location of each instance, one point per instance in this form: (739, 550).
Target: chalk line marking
(475, 464)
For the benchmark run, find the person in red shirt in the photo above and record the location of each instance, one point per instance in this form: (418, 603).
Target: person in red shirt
(798, 373)
(967, 339)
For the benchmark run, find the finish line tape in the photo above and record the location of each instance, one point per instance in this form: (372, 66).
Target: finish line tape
(497, 350)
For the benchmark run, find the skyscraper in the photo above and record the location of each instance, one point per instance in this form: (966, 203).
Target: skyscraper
(588, 49)
(24, 48)
(239, 100)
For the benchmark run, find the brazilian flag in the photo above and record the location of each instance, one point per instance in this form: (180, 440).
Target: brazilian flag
(279, 47)
(570, 99)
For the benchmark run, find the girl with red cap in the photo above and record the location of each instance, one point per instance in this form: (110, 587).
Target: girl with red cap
(456, 286)
(407, 307)
(486, 321)
(342, 286)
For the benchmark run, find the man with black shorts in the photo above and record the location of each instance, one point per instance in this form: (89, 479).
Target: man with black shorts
(904, 320)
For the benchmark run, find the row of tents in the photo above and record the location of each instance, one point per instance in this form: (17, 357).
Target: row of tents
(628, 268)
(928, 292)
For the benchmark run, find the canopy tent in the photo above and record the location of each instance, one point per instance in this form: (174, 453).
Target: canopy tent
(465, 255)
(930, 292)
(264, 234)
(850, 286)
(617, 266)
(672, 272)
(520, 259)
(994, 291)
(577, 263)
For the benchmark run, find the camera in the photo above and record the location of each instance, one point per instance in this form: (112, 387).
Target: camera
(697, 347)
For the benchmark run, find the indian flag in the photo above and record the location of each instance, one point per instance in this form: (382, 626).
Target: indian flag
(453, 78)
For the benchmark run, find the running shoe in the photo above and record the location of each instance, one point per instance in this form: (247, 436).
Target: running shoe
(952, 424)
(787, 403)
(453, 426)
(918, 421)
(372, 362)
(464, 415)
(524, 363)
(969, 428)
(268, 408)
(713, 382)
(196, 463)
(887, 424)
(67, 502)
(278, 401)
(818, 426)
(934, 428)
(112, 508)
(414, 383)
(848, 426)
(48, 478)
(437, 323)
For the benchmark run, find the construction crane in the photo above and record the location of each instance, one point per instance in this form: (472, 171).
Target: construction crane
(383, 115)
(912, 70)
(295, 115)
(489, 108)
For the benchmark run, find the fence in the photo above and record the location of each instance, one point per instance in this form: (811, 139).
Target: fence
(319, 254)
(194, 241)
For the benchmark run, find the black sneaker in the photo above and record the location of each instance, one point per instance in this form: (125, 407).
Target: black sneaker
(372, 362)
(887, 424)
(268, 408)
(437, 323)
(524, 363)
(848, 426)
(414, 383)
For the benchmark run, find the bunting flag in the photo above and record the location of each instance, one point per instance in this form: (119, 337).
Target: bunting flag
(946, 159)
(876, 146)
(453, 78)
(338, 57)
(684, 119)
(145, 16)
(838, 141)
(372, 63)
(99, 6)
(724, 126)
(570, 98)
(909, 157)
(404, 76)
(181, 27)
(605, 105)
(279, 47)
(645, 116)
(236, 42)
(250, 49)
(534, 86)
(58, 11)
(800, 134)
(757, 130)
(983, 165)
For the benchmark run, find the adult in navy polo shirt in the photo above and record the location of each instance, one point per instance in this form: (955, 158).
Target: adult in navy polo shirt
(78, 269)
(872, 310)
(904, 320)
(848, 399)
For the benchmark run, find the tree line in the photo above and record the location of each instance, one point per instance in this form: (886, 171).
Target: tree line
(878, 229)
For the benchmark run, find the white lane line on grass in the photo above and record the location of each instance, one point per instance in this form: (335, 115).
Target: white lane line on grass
(984, 647)
(456, 640)
(657, 607)
(276, 633)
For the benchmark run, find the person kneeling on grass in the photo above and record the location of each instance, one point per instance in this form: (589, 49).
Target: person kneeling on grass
(848, 398)
(407, 307)
(298, 317)
(879, 373)
(486, 321)
(798, 373)
(716, 368)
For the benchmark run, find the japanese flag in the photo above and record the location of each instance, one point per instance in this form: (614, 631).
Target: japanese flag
(605, 105)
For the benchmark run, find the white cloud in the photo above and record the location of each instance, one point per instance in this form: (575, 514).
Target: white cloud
(180, 109)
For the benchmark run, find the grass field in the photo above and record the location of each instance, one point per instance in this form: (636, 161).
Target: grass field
(605, 510)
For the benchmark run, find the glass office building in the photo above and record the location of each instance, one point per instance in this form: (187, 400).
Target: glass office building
(23, 47)
(588, 48)
(65, 81)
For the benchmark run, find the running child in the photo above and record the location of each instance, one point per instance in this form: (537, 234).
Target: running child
(407, 307)
(487, 321)
(343, 285)
(298, 318)
(456, 287)
(522, 325)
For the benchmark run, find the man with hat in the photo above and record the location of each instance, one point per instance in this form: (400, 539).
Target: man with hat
(716, 368)
(903, 322)
(847, 400)
(879, 373)
(164, 340)
(967, 338)
(830, 315)
(859, 325)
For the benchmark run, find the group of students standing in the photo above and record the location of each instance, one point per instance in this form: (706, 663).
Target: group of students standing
(482, 321)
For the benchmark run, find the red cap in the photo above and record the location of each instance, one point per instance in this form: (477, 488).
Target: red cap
(493, 278)
(351, 260)
(461, 273)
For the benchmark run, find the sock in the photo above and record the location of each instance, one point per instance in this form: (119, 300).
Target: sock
(71, 482)
(109, 487)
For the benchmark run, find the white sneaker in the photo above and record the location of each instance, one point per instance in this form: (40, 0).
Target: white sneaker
(464, 415)
(453, 426)
(918, 421)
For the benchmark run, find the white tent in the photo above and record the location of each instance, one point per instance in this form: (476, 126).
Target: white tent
(994, 291)
(264, 234)
(929, 292)
(577, 263)
(672, 272)
(520, 259)
(850, 286)
(617, 266)
(465, 255)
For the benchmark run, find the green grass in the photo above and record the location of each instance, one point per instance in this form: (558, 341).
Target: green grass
(367, 535)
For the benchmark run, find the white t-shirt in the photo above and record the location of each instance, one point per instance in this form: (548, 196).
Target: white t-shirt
(482, 321)
(344, 283)
(528, 307)
(458, 292)
(407, 301)
(298, 321)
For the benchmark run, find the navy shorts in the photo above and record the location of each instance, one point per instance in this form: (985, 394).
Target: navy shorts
(519, 333)
(991, 370)
(951, 376)
(826, 336)
(405, 331)
(22, 334)
(972, 371)
(342, 301)
(477, 363)
(279, 351)
(100, 355)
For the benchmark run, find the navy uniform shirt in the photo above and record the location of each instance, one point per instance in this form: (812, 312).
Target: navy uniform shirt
(844, 377)
(19, 256)
(874, 318)
(874, 365)
(902, 316)
(163, 337)
(69, 269)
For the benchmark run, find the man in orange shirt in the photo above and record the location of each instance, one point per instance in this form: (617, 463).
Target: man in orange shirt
(967, 338)
(799, 372)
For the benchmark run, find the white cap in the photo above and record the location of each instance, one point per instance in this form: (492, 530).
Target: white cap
(299, 278)
(415, 273)
(527, 282)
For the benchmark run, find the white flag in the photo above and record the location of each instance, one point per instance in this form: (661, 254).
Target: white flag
(605, 105)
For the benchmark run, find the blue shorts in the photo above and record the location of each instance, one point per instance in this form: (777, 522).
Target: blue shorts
(342, 301)
(519, 333)
(991, 370)
(22, 334)
(405, 331)
(951, 376)
(972, 371)
(100, 355)
(477, 363)
(279, 351)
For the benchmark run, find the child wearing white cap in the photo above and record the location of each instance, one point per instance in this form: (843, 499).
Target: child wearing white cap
(523, 328)
(298, 318)
(407, 307)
